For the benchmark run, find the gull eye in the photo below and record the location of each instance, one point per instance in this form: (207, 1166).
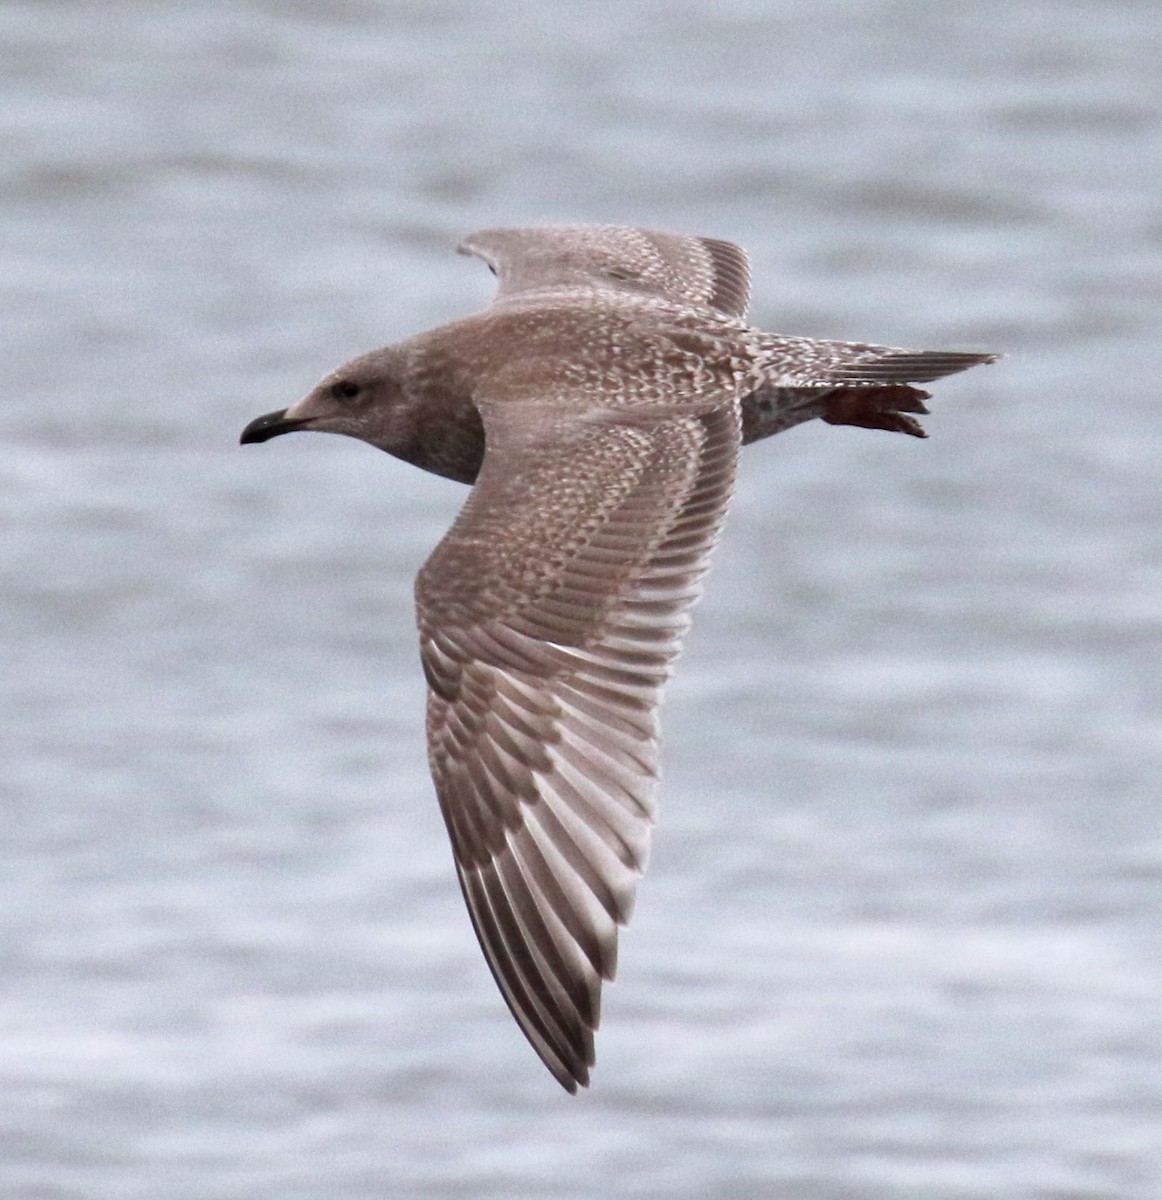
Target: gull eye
(345, 389)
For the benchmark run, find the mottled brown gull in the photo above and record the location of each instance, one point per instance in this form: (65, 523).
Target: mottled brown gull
(598, 406)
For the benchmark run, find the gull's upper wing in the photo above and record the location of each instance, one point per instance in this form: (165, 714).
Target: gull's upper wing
(684, 270)
(549, 618)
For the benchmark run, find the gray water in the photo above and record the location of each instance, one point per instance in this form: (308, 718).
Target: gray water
(900, 937)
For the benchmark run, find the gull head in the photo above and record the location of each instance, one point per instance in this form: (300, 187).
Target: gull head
(363, 399)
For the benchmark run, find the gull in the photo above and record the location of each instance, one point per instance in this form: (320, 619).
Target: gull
(597, 406)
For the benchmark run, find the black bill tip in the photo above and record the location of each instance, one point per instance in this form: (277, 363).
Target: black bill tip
(269, 425)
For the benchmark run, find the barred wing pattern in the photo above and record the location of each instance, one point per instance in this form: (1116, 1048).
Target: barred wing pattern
(696, 271)
(544, 681)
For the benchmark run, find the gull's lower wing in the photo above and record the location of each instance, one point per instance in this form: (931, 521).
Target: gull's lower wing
(549, 618)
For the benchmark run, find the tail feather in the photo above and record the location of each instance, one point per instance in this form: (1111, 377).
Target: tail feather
(803, 362)
(907, 366)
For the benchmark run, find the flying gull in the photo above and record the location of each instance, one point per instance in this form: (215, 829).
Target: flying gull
(598, 406)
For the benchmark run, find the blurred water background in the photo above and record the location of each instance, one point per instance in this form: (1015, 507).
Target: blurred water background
(901, 933)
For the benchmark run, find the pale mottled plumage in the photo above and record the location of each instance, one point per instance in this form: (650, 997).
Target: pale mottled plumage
(612, 382)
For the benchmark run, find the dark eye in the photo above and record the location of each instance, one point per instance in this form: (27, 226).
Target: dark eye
(345, 389)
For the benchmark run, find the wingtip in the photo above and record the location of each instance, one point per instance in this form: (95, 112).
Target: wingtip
(572, 1075)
